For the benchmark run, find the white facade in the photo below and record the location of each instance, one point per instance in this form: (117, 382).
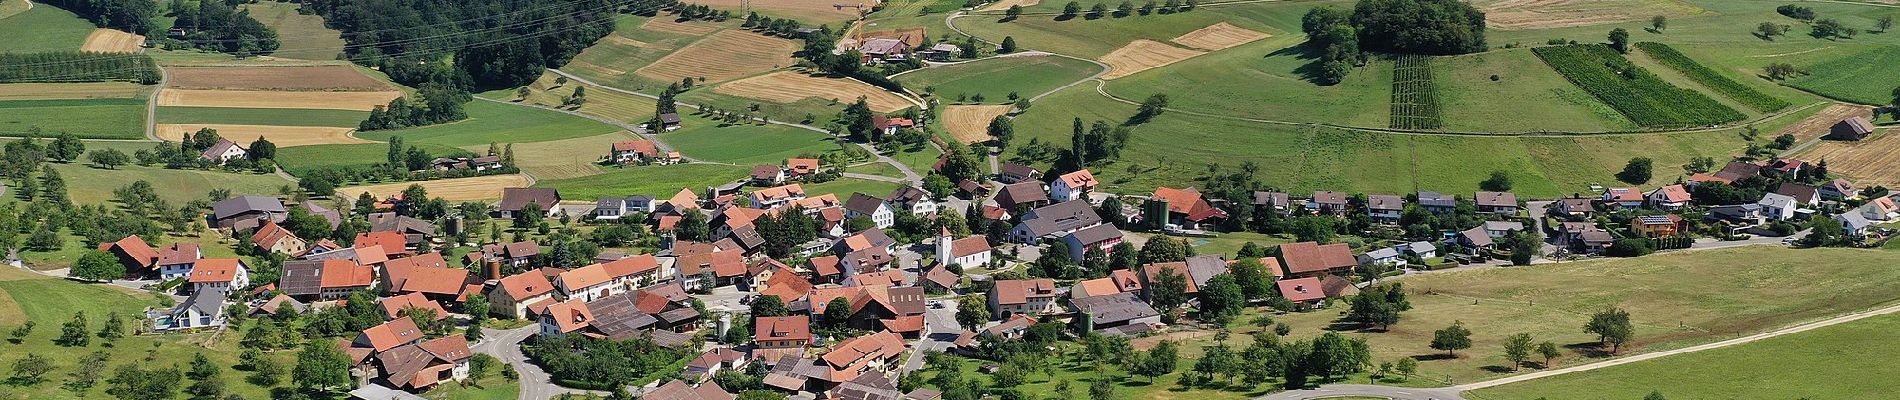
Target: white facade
(1059, 191)
(883, 218)
(174, 271)
(239, 280)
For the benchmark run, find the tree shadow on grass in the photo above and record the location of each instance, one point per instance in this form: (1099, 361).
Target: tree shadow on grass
(1496, 369)
(1590, 349)
(1312, 70)
(1434, 357)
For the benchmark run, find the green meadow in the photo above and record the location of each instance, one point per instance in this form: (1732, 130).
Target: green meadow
(88, 118)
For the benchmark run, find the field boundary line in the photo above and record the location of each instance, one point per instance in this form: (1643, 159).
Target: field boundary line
(151, 103)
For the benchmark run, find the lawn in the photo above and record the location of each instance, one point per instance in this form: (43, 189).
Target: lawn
(1847, 361)
(921, 158)
(657, 180)
(260, 116)
(1674, 299)
(50, 302)
(490, 122)
(600, 102)
(996, 78)
(43, 28)
(876, 168)
(89, 118)
(562, 159)
(299, 36)
(1171, 150)
(746, 143)
(1228, 244)
(87, 184)
(1523, 97)
(844, 187)
(300, 159)
(1851, 78)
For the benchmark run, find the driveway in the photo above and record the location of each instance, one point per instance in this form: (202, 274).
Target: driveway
(940, 331)
(506, 345)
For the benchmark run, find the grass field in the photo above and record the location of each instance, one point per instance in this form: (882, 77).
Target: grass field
(1849, 79)
(612, 60)
(299, 36)
(600, 102)
(561, 159)
(1520, 14)
(61, 91)
(1300, 159)
(1276, 85)
(10, 7)
(455, 189)
(1521, 99)
(660, 180)
(89, 119)
(748, 144)
(279, 77)
(995, 78)
(43, 28)
(1846, 361)
(260, 116)
(494, 122)
(87, 185)
(844, 187)
(876, 168)
(1645, 97)
(919, 159)
(1668, 56)
(301, 159)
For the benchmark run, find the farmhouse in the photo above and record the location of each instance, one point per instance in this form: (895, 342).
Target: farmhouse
(1196, 270)
(414, 231)
(137, 256)
(1028, 193)
(1310, 259)
(1851, 128)
(912, 200)
(890, 125)
(219, 275)
(514, 295)
(800, 167)
(1186, 208)
(877, 50)
(1670, 197)
(782, 332)
(763, 175)
(175, 261)
(1302, 290)
(1012, 173)
(513, 200)
(224, 150)
(1071, 186)
(636, 151)
(669, 122)
(1115, 314)
(1054, 221)
(276, 239)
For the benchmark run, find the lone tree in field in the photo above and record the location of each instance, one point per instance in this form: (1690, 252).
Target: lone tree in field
(1008, 46)
(74, 334)
(1659, 23)
(1549, 352)
(1452, 338)
(1517, 349)
(1637, 171)
(1070, 10)
(1612, 327)
(1620, 40)
(1015, 11)
(1499, 181)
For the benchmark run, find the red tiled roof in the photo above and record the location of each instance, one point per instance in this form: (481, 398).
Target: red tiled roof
(391, 242)
(1080, 179)
(339, 273)
(268, 235)
(393, 306)
(1301, 289)
(569, 315)
(1019, 291)
(215, 270)
(914, 323)
(826, 265)
(796, 327)
(787, 285)
(644, 147)
(135, 247)
(525, 285)
(969, 245)
(1307, 257)
(388, 335)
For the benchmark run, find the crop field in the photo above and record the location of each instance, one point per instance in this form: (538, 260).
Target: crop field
(1846, 361)
(301, 159)
(1818, 125)
(788, 87)
(1298, 158)
(358, 101)
(912, 37)
(1545, 14)
(1674, 300)
(73, 66)
(1867, 162)
(1633, 91)
(995, 78)
(657, 180)
(1142, 55)
(299, 36)
(1219, 37)
(1414, 101)
(88, 119)
(808, 12)
(747, 144)
(971, 124)
(260, 116)
(63, 91)
(455, 189)
(282, 136)
(328, 78)
(1709, 78)
(726, 55)
(1093, 39)
(104, 40)
(9, 8)
(1850, 78)
(490, 122)
(43, 28)
(561, 159)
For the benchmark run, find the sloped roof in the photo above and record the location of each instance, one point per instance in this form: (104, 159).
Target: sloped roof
(779, 192)
(388, 335)
(1496, 199)
(341, 273)
(302, 277)
(1308, 257)
(797, 327)
(1301, 289)
(1080, 179)
(215, 270)
(1019, 291)
(525, 285)
(242, 204)
(135, 247)
(393, 305)
(512, 199)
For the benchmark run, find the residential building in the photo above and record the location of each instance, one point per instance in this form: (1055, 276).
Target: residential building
(1385, 208)
(1853, 224)
(796, 168)
(612, 208)
(911, 199)
(394, 306)
(1276, 202)
(1623, 197)
(862, 205)
(1103, 237)
(276, 239)
(1776, 206)
(1011, 173)
(890, 125)
(635, 151)
(764, 175)
(1803, 194)
(1584, 237)
(1071, 186)
(782, 332)
(679, 390)
(1656, 226)
(219, 275)
(203, 309)
(1327, 203)
(175, 261)
(1574, 208)
(223, 151)
(1186, 208)
(1054, 221)
(1387, 256)
(1496, 202)
(1023, 296)
(1838, 189)
(513, 295)
(1669, 197)
(1438, 203)
(1498, 229)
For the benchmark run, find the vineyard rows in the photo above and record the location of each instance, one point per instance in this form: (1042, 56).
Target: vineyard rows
(77, 67)
(1414, 100)
(1633, 91)
(1707, 77)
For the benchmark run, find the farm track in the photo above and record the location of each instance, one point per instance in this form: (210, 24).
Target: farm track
(909, 175)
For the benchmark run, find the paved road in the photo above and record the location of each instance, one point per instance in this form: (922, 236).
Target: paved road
(1397, 393)
(940, 331)
(909, 175)
(506, 345)
(151, 104)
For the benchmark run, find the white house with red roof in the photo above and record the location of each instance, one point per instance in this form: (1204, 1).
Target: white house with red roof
(1073, 185)
(219, 275)
(513, 295)
(1669, 197)
(973, 251)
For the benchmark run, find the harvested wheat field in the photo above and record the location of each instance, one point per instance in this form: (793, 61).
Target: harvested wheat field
(58, 91)
(315, 78)
(723, 56)
(669, 25)
(457, 189)
(1818, 124)
(1867, 162)
(810, 11)
(1004, 4)
(1545, 14)
(357, 101)
(557, 159)
(282, 136)
(1219, 36)
(912, 37)
(788, 87)
(971, 124)
(1143, 54)
(104, 40)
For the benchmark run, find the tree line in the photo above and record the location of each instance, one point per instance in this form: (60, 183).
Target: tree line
(219, 26)
(471, 43)
(1438, 27)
